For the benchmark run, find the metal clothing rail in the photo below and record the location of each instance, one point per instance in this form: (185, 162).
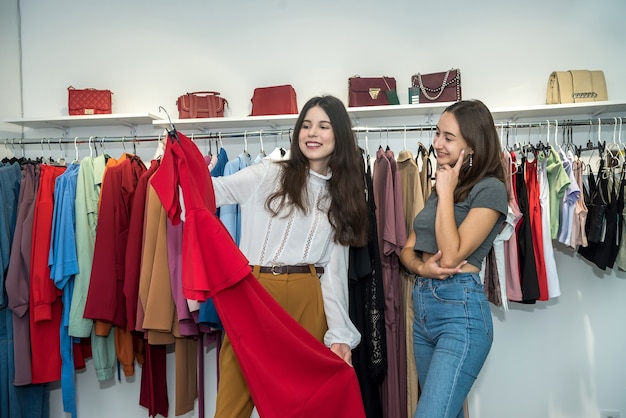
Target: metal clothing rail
(256, 134)
(95, 140)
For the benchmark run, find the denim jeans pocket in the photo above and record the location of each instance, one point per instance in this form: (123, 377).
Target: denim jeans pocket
(452, 292)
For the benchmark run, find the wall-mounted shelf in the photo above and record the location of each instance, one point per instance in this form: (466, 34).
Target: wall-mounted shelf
(359, 114)
(272, 121)
(66, 122)
(589, 109)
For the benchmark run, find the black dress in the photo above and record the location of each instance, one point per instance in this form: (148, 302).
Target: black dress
(525, 250)
(367, 311)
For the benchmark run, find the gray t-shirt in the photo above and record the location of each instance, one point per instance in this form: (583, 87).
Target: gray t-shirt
(487, 193)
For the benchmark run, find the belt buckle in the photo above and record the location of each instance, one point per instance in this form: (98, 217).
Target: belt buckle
(274, 267)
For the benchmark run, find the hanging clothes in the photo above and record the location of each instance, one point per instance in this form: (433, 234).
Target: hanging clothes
(45, 299)
(63, 265)
(552, 276)
(230, 215)
(426, 170)
(620, 259)
(579, 236)
(367, 310)
(18, 274)
(559, 182)
(88, 186)
(601, 225)
(412, 204)
(132, 269)
(18, 189)
(105, 298)
(570, 198)
(511, 258)
(392, 236)
(526, 252)
(536, 232)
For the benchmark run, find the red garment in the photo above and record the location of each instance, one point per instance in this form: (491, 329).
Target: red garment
(82, 352)
(105, 298)
(153, 393)
(534, 210)
(310, 381)
(134, 245)
(45, 299)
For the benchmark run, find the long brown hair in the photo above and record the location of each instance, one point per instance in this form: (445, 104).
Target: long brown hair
(479, 131)
(347, 211)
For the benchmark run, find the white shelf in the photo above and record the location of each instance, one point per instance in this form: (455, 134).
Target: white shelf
(66, 122)
(590, 110)
(397, 110)
(272, 121)
(278, 121)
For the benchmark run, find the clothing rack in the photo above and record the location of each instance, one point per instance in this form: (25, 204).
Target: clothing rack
(615, 122)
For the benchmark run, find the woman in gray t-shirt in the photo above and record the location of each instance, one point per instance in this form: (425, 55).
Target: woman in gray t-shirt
(451, 237)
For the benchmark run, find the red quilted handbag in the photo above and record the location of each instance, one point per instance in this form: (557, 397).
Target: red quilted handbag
(88, 101)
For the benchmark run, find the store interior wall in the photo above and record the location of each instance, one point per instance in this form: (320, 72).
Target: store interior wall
(556, 359)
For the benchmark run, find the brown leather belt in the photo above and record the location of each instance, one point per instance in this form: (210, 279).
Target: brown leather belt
(284, 269)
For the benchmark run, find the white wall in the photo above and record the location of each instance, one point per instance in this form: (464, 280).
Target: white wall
(557, 359)
(10, 104)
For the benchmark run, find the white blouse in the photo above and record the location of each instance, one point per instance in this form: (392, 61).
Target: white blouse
(295, 238)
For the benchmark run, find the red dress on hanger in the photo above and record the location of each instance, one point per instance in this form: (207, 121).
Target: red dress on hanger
(289, 373)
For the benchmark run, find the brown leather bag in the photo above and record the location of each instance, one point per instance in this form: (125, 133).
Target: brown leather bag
(201, 104)
(88, 101)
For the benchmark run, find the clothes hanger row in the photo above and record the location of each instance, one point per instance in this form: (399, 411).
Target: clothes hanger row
(616, 122)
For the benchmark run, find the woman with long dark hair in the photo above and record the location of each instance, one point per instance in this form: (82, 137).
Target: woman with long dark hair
(298, 218)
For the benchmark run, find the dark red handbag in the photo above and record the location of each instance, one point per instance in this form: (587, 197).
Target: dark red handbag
(88, 101)
(371, 91)
(201, 104)
(436, 87)
(274, 100)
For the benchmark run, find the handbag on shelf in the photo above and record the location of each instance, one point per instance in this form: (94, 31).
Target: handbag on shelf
(372, 91)
(88, 101)
(436, 87)
(576, 86)
(201, 104)
(274, 100)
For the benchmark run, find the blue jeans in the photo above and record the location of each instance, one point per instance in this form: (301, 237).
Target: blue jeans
(452, 335)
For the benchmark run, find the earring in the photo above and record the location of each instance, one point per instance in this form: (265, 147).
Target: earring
(471, 160)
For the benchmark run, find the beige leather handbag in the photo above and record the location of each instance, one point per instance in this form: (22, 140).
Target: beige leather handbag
(576, 86)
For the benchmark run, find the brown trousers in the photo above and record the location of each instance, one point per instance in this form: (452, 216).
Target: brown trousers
(300, 294)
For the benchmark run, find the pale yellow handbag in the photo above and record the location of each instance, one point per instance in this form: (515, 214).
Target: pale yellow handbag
(576, 86)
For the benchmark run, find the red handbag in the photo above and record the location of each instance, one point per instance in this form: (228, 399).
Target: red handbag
(436, 87)
(371, 91)
(88, 101)
(274, 100)
(201, 104)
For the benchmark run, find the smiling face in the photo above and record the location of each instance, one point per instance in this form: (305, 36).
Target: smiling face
(448, 141)
(317, 139)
